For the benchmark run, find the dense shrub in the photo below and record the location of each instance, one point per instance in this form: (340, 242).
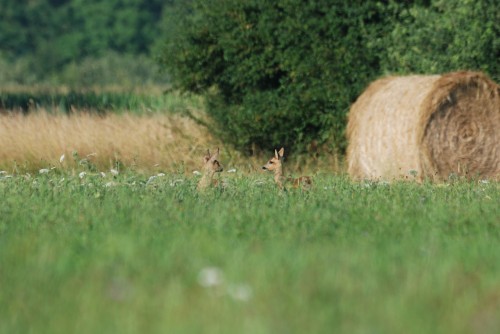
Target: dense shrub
(112, 69)
(446, 36)
(278, 72)
(18, 71)
(285, 72)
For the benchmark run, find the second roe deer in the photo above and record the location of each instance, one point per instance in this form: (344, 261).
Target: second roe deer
(211, 165)
(275, 164)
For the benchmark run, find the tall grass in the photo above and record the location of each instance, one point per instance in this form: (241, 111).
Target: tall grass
(161, 142)
(156, 142)
(144, 129)
(130, 254)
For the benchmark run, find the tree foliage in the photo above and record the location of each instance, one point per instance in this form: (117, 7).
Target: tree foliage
(285, 72)
(446, 36)
(277, 73)
(51, 34)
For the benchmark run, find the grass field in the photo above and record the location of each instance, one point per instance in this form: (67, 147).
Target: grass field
(139, 250)
(130, 253)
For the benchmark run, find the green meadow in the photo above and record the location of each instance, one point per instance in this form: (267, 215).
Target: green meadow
(129, 253)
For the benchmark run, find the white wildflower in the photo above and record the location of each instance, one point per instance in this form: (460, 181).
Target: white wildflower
(114, 171)
(82, 175)
(485, 181)
(210, 277)
(232, 170)
(240, 292)
(2, 172)
(151, 178)
(61, 159)
(110, 184)
(175, 182)
(197, 173)
(43, 171)
(103, 174)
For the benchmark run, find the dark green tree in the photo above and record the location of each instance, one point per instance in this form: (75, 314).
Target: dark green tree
(51, 34)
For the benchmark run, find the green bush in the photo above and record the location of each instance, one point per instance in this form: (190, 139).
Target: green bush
(446, 36)
(285, 72)
(112, 69)
(278, 72)
(17, 72)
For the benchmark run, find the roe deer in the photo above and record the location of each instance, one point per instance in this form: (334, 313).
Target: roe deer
(275, 165)
(210, 166)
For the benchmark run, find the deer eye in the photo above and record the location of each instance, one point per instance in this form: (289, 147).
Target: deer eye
(271, 162)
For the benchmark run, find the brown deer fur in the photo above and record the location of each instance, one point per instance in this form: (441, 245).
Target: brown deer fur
(211, 165)
(275, 165)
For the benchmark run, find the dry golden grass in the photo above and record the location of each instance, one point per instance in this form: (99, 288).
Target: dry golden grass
(146, 143)
(161, 142)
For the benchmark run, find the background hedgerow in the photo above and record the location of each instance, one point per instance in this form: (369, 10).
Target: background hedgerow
(277, 73)
(285, 72)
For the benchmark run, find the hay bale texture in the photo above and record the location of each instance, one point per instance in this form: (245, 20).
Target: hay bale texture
(429, 126)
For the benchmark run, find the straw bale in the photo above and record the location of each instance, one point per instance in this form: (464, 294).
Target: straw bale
(426, 127)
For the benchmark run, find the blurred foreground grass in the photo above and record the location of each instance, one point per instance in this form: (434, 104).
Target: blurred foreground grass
(133, 253)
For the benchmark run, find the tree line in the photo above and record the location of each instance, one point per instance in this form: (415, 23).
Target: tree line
(49, 39)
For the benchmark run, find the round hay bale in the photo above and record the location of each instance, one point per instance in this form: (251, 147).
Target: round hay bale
(426, 127)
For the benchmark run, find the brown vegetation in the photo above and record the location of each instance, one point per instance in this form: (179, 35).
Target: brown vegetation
(428, 126)
(159, 142)
(144, 142)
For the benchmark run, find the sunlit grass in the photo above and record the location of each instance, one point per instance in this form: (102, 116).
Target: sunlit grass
(165, 142)
(148, 129)
(154, 142)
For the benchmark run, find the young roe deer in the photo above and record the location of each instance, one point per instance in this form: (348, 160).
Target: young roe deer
(275, 164)
(210, 166)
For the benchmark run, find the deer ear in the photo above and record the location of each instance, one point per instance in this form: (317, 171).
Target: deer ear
(276, 154)
(207, 156)
(216, 155)
(282, 152)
